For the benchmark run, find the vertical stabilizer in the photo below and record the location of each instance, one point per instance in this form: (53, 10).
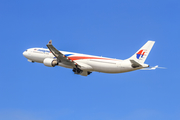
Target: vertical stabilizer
(141, 55)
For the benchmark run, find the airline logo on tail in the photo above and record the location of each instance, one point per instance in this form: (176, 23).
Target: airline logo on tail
(140, 54)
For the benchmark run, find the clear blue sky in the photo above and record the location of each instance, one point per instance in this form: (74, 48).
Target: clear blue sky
(110, 28)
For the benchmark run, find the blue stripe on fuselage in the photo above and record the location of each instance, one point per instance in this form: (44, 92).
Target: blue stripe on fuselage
(43, 50)
(68, 55)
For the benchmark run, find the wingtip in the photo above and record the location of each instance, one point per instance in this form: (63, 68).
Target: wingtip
(50, 42)
(151, 41)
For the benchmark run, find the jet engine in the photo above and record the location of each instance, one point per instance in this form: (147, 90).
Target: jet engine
(50, 62)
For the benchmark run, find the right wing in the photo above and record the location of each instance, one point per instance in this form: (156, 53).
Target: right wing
(61, 57)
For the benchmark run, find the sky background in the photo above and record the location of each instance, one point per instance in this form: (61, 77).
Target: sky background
(109, 28)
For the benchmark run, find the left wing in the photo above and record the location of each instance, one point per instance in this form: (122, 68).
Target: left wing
(61, 57)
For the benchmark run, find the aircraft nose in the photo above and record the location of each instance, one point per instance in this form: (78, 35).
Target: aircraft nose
(25, 53)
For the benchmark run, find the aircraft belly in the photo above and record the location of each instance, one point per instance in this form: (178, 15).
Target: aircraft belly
(104, 67)
(66, 66)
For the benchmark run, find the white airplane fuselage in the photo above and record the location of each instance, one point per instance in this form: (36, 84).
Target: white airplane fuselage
(85, 64)
(99, 64)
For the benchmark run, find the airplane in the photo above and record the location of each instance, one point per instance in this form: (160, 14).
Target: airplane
(83, 64)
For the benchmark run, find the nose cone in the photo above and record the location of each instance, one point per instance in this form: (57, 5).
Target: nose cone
(25, 53)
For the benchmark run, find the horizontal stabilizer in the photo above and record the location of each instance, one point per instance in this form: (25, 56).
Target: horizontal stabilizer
(135, 64)
(153, 68)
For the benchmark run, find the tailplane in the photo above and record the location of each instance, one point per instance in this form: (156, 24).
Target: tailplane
(141, 55)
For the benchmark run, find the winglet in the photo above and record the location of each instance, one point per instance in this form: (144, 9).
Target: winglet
(50, 42)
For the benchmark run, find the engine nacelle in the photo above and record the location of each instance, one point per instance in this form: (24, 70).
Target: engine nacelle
(50, 62)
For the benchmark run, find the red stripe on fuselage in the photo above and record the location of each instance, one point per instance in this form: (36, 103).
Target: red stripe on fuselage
(83, 57)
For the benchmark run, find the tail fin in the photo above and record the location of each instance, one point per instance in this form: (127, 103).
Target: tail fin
(141, 55)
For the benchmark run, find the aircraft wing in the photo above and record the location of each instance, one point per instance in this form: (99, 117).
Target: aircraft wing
(61, 57)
